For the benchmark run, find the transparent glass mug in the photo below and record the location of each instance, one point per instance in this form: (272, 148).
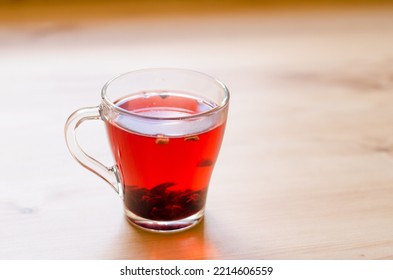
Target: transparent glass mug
(165, 128)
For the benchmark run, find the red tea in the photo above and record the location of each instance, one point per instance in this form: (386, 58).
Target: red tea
(165, 164)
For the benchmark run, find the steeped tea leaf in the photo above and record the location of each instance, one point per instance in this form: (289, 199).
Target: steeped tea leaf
(205, 163)
(163, 204)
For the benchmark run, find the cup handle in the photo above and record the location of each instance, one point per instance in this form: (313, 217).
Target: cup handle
(109, 174)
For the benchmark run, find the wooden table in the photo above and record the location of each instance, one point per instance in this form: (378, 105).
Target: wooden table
(306, 167)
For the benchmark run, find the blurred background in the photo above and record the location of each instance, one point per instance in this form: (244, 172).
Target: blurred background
(25, 10)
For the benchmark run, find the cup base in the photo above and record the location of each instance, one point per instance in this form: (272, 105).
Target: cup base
(164, 226)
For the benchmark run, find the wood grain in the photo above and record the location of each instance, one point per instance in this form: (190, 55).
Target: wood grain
(305, 171)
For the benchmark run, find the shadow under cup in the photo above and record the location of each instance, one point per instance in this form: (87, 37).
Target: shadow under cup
(165, 128)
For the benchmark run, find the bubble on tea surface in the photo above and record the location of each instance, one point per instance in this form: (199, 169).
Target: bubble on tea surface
(172, 121)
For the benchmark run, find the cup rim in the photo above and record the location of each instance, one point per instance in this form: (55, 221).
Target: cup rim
(219, 107)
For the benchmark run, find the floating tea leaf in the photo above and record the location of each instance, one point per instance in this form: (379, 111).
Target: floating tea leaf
(192, 138)
(162, 140)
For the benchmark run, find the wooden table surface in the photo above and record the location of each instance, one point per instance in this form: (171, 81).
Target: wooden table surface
(306, 166)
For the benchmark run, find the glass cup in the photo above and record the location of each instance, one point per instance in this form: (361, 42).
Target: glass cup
(165, 128)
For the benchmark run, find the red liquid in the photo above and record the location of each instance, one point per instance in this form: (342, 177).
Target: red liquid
(166, 177)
